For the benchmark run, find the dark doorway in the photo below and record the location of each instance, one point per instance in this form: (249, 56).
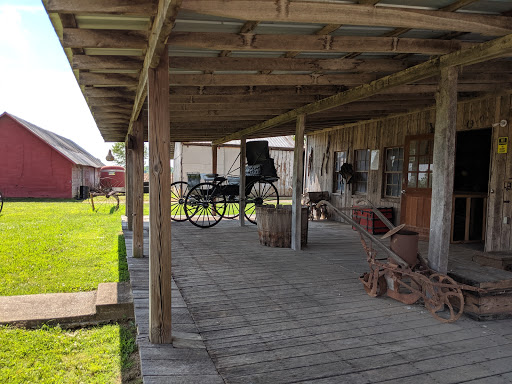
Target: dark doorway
(472, 161)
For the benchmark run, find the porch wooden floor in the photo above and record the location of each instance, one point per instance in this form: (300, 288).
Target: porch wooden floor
(272, 316)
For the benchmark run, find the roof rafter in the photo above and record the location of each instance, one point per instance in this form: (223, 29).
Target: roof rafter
(117, 7)
(162, 26)
(285, 64)
(337, 13)
(313, 43)
(482, 52)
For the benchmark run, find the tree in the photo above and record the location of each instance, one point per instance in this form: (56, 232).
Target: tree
(119, 152)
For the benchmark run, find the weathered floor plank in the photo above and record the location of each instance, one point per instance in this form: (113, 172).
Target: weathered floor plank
(270, 315)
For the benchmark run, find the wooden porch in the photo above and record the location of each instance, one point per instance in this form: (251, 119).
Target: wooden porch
(269, 315)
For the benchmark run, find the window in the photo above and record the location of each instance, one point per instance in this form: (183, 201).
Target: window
(339, 159)
(393, 171)
(361, 167)
(420, 163)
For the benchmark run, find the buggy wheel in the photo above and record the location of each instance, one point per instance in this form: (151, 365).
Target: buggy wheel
(232, 207)
(1, 201)
(205, 205)
(179, 191)
(258, 193)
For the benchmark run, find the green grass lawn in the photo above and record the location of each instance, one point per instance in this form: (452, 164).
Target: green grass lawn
(63, 246)
(53, 355)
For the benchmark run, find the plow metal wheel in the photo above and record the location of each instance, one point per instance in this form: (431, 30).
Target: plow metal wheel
(442, 291)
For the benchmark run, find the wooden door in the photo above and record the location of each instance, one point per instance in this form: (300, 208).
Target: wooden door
(417, 183)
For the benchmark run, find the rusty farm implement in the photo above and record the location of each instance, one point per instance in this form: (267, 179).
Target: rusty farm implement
(408, 281)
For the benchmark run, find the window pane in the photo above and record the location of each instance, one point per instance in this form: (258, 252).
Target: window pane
(423, 180)
(413, 164)
(411, 180)
(389, 163)
(424, 162)
(389, 191)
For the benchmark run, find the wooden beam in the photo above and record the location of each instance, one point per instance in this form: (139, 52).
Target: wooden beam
(284, 64)
(138, 189)
(109, 92)
(125, 110)
(255, 80)
(298, 170)
(312, 43)
(244, 108)
(106, 62)
(108, 101)
(215, 154)
(248, 27)
(276, 93)
(159, 204)
(116, 7)
(482, 52)
(129, 183)
(336, 13)
(444, 160)
(400, 31)
(241, 193)
(162, 26)
(107, 79)
(103, 38)
(242, 105)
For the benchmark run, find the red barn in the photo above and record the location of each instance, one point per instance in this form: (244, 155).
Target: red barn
(38, 163)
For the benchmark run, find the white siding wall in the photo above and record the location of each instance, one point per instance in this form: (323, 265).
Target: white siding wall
(198, 158)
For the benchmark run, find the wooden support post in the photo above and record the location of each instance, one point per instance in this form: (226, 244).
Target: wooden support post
(241, 216)
(138, 187)
(214, 158)
(129, 183)
(159, 204)
(298, 169)
(444, 165)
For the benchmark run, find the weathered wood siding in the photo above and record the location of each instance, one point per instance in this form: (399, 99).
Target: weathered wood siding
(84, 175)
(391, 132)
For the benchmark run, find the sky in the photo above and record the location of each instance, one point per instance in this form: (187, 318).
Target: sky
(36, 80)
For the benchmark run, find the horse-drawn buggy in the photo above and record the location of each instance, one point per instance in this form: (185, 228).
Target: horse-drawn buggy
(206, 199)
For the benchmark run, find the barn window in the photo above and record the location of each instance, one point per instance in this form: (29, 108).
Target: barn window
(339, 159)
(393, 171)
(361, 167)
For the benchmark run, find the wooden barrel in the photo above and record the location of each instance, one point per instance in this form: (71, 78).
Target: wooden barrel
(275, 225)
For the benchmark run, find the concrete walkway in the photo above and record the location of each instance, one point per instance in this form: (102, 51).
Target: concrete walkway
(269, 315)
(111, 302)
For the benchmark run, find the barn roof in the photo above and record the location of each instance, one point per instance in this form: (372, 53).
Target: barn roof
(64, 146)
(244, 68)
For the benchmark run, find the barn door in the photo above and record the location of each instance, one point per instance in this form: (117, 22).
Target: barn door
(417, 183)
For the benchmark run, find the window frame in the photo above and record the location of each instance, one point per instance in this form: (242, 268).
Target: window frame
(358, 171)
(337, 178)
(387, 172)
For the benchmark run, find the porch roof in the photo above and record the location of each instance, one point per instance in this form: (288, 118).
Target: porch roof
(239, 67)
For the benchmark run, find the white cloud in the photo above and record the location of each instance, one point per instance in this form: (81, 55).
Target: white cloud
(14, 38)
